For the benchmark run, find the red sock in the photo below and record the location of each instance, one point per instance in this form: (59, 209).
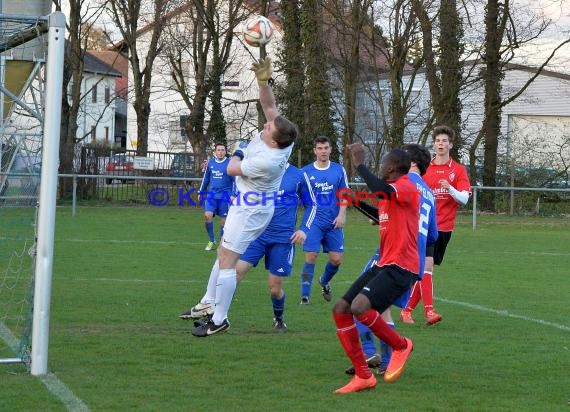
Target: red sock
(415, 296)
(381, 329)
(426, 285)
(350, 341)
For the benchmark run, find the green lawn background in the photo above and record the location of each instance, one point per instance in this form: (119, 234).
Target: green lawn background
(122, 276)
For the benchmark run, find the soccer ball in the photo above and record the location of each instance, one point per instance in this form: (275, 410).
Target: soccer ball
(257, 31)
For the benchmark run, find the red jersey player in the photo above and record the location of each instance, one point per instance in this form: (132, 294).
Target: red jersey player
(450, 184)
(378, 287)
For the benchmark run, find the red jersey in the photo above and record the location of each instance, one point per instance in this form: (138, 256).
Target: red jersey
(446, 206)
(398, 219)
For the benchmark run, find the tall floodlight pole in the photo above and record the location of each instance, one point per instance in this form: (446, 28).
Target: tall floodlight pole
(48, 191)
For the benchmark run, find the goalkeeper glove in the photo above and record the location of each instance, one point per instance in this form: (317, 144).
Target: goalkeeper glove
(239, 148)
(262, 70)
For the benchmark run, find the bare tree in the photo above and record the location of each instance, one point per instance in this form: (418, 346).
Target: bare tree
(442, 58)
(291, 97)
(82, 15)
(504, 36)
(198, 55)
(370, 61)
(398, 49)
(346, 29)
(97, 38)
(133, 18)
(541, 154)
(318, 119)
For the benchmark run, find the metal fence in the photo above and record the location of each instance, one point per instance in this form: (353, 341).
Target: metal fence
(132, 190)
(528, 201)
(173, 191)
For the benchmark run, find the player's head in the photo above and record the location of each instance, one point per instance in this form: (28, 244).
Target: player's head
(220, 151)
(394, 164)
(283, 131)
(443, 130)
(443, 137)
(419, 155)
(322, 148)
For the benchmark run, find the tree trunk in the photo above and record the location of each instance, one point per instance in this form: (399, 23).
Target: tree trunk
(318, 114)
(451, 72)
(492, 76)
(292, 96)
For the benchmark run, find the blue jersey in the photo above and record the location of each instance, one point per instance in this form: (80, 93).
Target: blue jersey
(427, 232)
(216, 180)
(325, 184)
(293, 190)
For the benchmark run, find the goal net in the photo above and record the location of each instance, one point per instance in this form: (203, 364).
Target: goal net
(31, 64)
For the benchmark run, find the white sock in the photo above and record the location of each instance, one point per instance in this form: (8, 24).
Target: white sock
(225, 289)
(210, 295)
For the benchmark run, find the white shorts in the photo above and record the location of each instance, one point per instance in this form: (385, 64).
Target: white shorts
(243, 225)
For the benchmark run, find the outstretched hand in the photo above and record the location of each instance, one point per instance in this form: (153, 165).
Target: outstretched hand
(357, 153)
(263, 70)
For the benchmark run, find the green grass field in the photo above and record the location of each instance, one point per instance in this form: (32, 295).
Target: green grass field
(122, 276)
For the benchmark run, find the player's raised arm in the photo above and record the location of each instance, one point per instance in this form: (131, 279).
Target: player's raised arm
(263, 71)
(374, 183)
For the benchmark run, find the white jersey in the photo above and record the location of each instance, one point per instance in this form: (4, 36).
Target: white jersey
(262, 168)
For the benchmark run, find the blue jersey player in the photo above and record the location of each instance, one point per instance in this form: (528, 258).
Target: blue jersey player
(277, 242)
(215, 192)
(326, 179)
(427, 235)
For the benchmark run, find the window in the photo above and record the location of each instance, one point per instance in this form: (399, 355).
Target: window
(94, 94)
(208, 71)
(107, 94)
(183, 120)
(231, 83)
(93, 133)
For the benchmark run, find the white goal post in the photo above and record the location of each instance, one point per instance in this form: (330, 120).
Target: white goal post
(48, 193)
(30, 77)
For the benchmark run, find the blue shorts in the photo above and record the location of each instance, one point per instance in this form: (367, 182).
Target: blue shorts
(332, 240)
(278, 256)
(218, 207)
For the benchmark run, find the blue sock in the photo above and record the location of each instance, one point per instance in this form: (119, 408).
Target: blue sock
(385, 349)
(367, 339)
(210, 230)
(307, 278)
(221, 232)
(278, 306)
(330, 271)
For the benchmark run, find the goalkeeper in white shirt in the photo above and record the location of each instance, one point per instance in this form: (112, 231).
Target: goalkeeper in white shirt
(258, 168)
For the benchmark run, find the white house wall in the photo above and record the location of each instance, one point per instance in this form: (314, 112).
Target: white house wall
(548, 95)
(100, 115)
(540, 141)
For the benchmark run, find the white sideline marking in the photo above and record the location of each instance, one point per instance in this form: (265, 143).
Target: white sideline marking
(9, 338)
(63, 393)
(505, 313)
(52, 383)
